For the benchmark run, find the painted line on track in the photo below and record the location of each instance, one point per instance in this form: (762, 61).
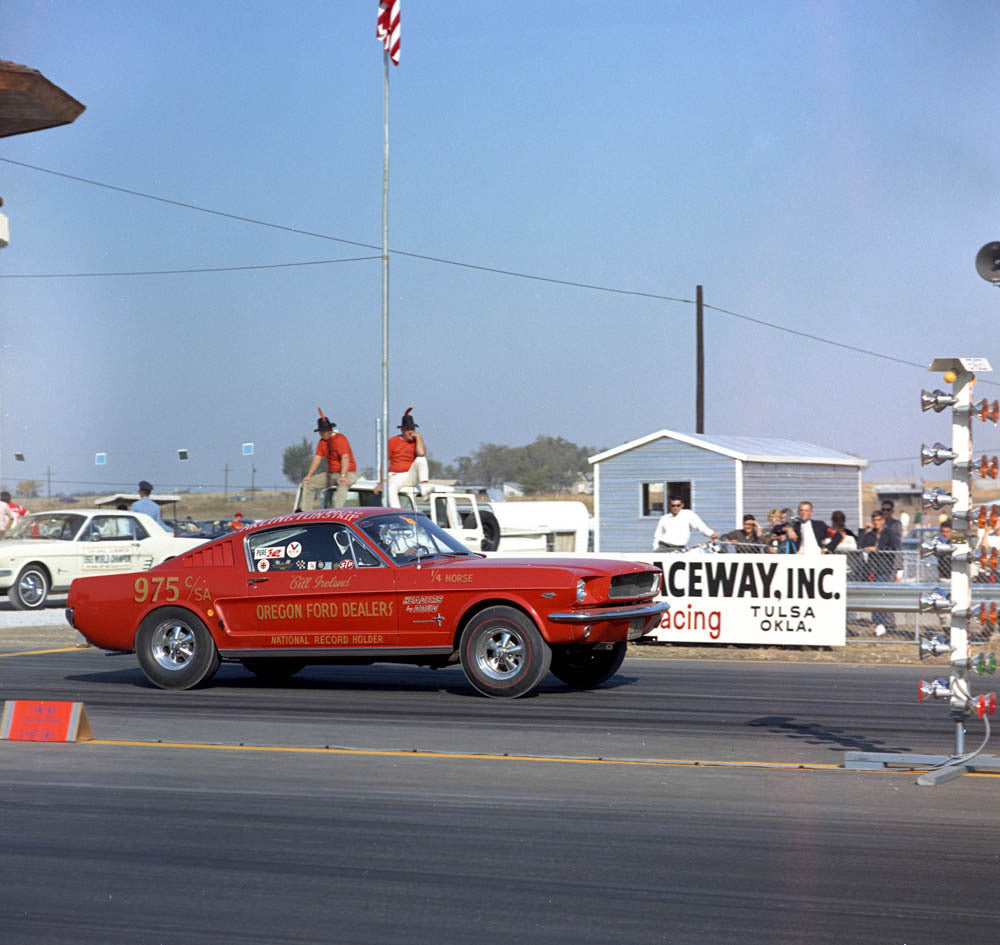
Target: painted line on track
(481, 756)
(63, 649)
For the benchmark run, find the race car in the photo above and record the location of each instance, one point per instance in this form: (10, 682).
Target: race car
(44, 552)
(369, 585)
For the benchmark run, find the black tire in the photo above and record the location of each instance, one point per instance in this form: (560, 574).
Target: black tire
(491, 530)
(583, 667)
(31, 589)
(175, 649)
(273, 670)
(503, 654)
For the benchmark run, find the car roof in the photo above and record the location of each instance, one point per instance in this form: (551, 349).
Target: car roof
(326, 515)
(134, 497)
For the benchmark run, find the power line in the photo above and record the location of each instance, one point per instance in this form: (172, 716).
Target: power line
(422, 256)
(170, 272)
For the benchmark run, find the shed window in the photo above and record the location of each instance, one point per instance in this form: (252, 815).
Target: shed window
(654, 496)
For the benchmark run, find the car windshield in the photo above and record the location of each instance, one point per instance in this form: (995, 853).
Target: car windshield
(408, 538)
(61, 526)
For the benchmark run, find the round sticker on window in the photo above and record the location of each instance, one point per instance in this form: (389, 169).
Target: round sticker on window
(263, 565)
(293, 550)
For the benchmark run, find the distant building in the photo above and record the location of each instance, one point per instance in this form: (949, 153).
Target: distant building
(906, 494)
(721, 478)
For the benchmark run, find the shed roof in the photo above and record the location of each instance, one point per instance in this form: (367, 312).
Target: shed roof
(758, 449)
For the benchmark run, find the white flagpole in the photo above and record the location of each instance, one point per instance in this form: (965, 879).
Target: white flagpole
(383, 446)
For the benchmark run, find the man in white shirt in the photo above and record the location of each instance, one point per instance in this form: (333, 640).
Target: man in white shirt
(674, 529)
(808, 532)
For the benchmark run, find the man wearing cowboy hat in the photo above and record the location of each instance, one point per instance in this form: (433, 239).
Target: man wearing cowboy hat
(340, 464)
(407, 459)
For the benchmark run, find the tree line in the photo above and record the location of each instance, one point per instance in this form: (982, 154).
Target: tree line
(549, 464)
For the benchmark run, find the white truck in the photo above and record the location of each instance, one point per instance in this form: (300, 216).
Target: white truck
(482, 526)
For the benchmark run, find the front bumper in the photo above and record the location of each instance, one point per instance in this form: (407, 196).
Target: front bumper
(600, 614)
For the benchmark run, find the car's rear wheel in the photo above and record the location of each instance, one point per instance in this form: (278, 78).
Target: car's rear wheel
(584, 666)
(273, 670)
(31, 589)
(503, 654)
(175, 649)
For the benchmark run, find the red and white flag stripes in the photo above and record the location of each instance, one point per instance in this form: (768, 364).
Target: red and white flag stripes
(388, 28)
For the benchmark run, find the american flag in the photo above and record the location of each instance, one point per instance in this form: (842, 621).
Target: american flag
(388, 28)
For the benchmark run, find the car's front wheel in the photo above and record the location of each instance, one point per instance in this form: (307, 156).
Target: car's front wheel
(503, 654)
(585, 666)
(175, 649)
(31, 589)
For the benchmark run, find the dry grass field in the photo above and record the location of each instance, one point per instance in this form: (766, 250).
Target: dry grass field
(209, 506)
(206, 506)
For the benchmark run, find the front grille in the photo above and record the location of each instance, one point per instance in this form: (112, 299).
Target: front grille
(637, 584)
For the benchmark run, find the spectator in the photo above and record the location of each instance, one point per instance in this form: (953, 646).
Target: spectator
(145, 504)
(407, 459)
(674, 529)
(944, 562)
(340, 463)
(17, 512)
(237, 523)
(746, 540)
(882, 548)
(892, 525)
(780, 537)
(839, 536)
(807, 532)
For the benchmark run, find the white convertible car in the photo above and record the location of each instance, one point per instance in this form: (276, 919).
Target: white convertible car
(46, 551)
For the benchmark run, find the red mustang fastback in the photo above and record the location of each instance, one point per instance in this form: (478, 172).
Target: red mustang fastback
(364, 586)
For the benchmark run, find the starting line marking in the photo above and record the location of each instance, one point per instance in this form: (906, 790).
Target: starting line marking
(538, 759)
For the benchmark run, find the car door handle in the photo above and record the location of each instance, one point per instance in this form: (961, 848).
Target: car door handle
(256, 580)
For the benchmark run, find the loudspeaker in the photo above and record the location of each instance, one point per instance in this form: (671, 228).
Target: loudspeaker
(988, 262)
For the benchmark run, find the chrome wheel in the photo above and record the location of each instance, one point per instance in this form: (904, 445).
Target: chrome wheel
(173, 645)
(31, 588)
(499, 654)
(502, 652)
(175, 649)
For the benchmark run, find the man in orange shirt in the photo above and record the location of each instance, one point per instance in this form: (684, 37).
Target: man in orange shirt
(407, 459)
(340, 463)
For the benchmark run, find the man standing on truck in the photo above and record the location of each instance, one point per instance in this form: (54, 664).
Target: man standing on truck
(407, 459)
(340, 463)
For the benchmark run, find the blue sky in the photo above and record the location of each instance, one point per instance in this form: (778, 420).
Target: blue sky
(827, 167)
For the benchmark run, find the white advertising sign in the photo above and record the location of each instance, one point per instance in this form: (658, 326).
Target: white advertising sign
(766, 599)
(772, 600)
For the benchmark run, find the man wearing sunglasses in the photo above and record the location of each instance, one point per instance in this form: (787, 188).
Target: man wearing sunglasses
(674, 529)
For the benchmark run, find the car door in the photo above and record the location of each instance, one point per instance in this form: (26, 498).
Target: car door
(106, 544)
(315, 586)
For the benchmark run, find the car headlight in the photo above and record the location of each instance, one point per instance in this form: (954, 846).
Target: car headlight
(581, 591)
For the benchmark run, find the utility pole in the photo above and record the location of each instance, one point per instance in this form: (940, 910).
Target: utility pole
(253, 477)
(48, 476)
(225, 493)
(699, 407)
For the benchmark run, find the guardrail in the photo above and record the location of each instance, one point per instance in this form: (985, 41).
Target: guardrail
(902, 598)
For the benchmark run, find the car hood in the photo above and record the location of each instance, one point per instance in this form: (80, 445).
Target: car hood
(581, 567)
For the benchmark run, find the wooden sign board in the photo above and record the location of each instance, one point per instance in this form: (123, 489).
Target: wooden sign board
(34, 721)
